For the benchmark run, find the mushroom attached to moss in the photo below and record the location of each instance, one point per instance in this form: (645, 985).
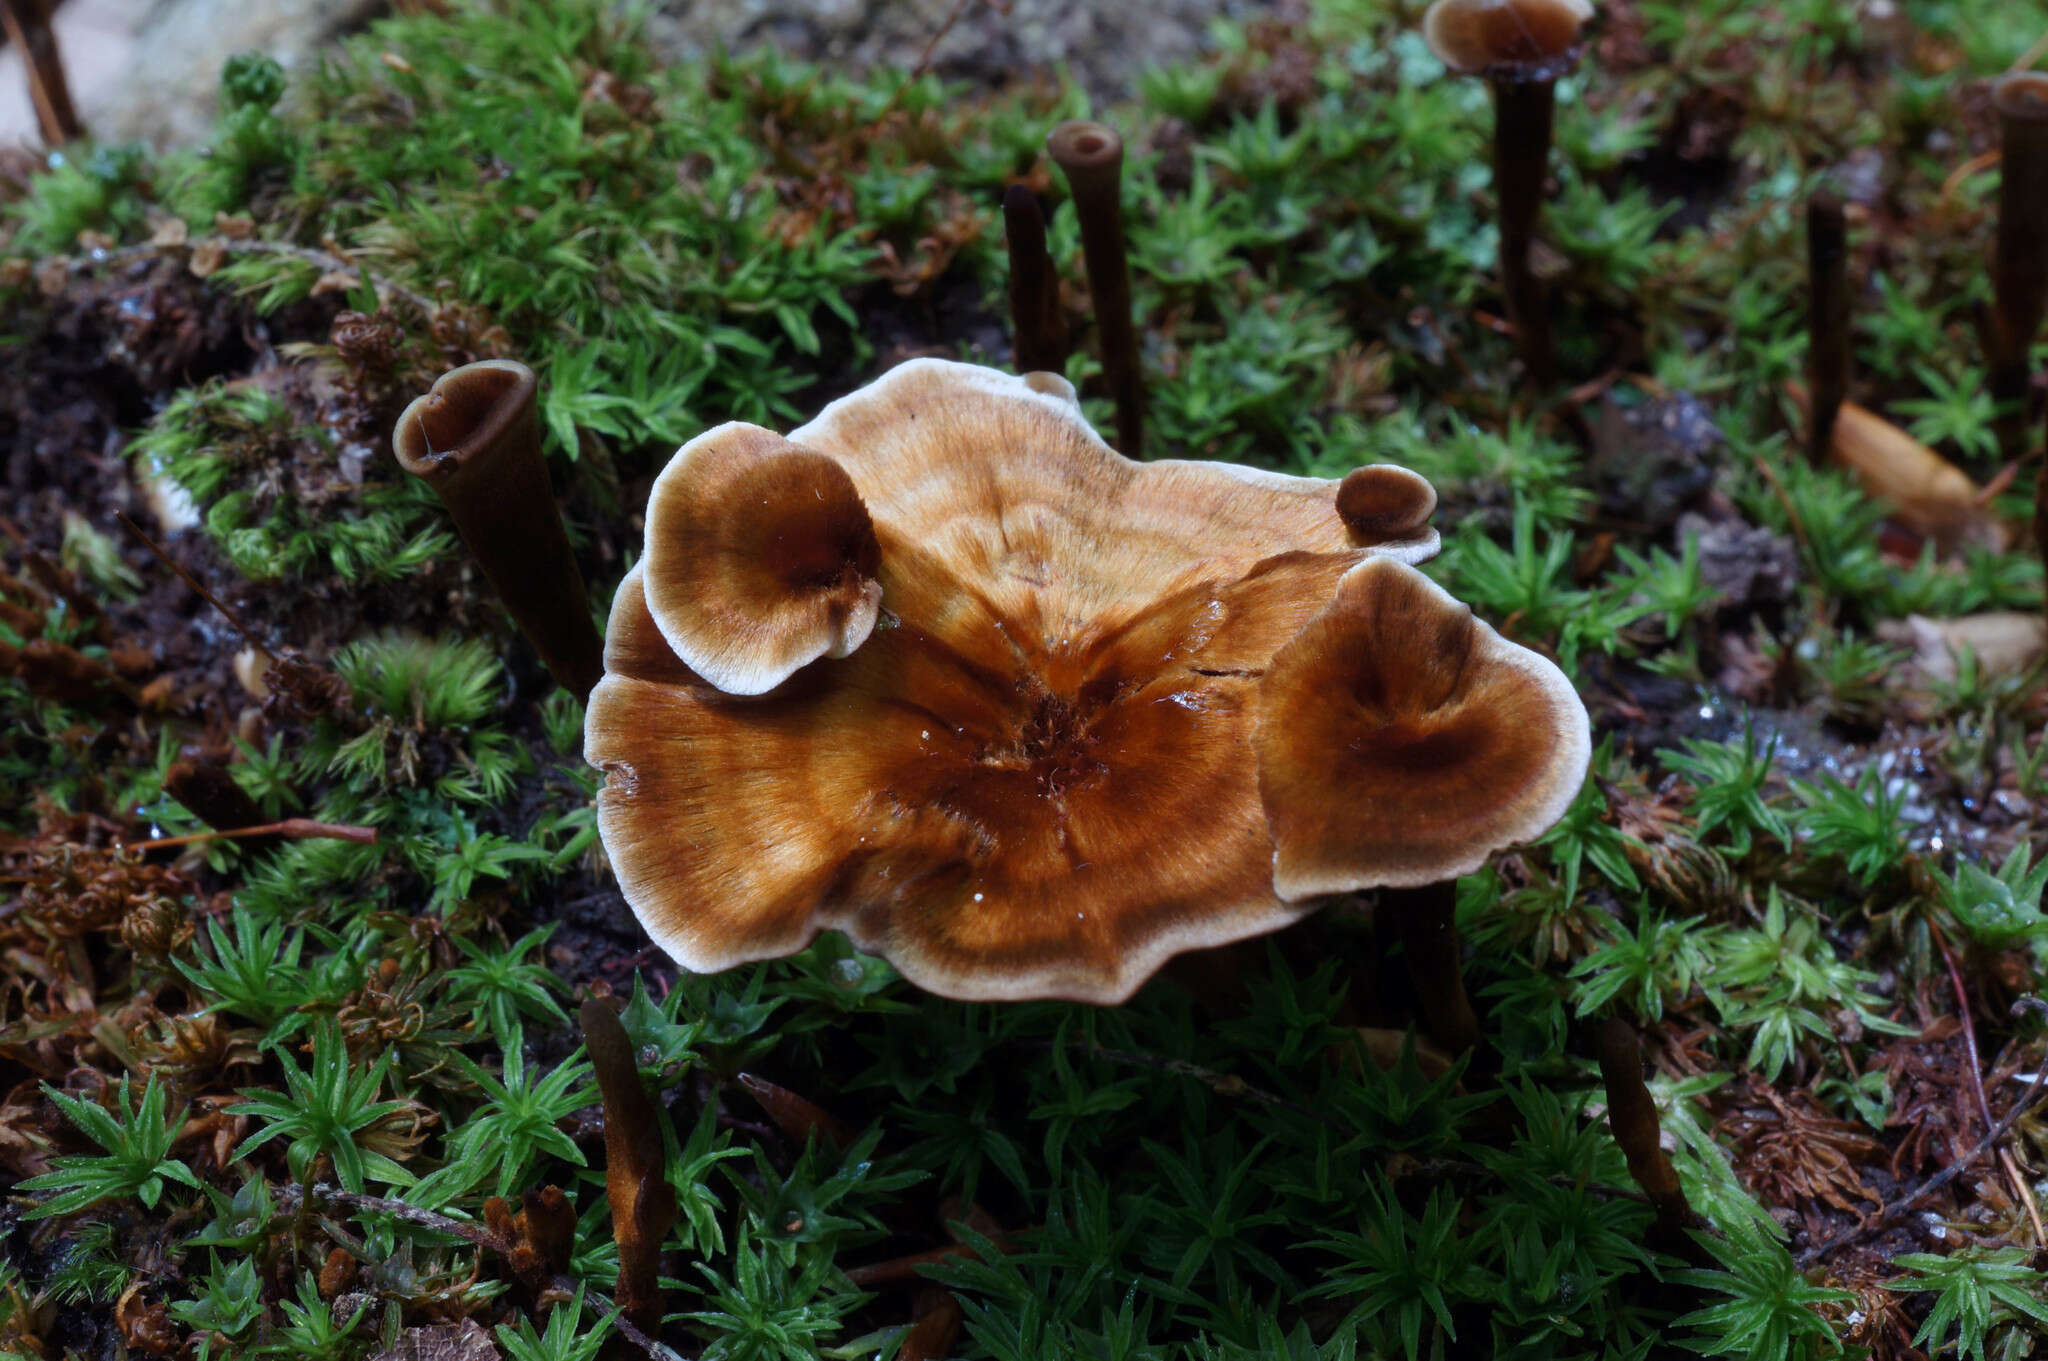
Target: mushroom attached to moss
(1057, 756)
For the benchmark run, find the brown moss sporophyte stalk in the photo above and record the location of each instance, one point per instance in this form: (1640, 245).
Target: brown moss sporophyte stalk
(943, 671)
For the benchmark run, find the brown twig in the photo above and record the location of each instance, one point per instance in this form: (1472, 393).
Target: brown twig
(291, 829)
(28, 27)
(1892, 1209)
(1091, 155)
(234, 620)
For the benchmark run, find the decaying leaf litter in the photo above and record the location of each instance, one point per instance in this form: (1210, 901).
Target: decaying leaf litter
(1802, 868)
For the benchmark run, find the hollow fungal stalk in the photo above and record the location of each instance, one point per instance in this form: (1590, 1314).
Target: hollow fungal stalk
(1091, 155)
(1827, 319)
(1040, 331)
(1521, 47)
(2020, 263)
(475, 439)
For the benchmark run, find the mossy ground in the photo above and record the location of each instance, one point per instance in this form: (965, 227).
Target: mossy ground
(1801, 865)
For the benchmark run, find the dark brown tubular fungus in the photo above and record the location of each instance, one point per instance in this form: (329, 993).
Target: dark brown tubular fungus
(1091, 155)
(1521, 47)
(1523, 109)
(27, 24)
(1035, 321)
(2041, 513)
(1632, 1114)
(475, 439)
(1827, 319)
(1426, 922)
(643, 1204)
(2020, 266)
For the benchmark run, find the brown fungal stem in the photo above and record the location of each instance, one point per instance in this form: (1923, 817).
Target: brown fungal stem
(1524, 107)
(1632, 1114)
(1827, 319)
(475, 439)
(1091, 155)
(643, 1204)
(1040, 331)
(2041, 514)
(1426, 922)
(27, 23)
(2019, 275)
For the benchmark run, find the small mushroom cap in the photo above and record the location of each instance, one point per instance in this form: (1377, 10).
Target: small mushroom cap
(1401, 741)
(1474, 35)
(1039, 779)
(760, 558)
(1384, 501)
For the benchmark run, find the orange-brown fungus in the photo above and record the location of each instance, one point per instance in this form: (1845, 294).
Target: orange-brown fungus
(1037, 776)
(1401, 741)
(760, 558)
(1474, 35)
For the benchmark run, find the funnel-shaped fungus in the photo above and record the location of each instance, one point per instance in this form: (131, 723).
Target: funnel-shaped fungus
(1521, 47)
(1050, 764)
(475, 439)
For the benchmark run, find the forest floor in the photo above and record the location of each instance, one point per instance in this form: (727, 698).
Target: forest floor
(1803, 866)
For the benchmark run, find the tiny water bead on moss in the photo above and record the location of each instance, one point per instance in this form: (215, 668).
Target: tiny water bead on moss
(1100, 721)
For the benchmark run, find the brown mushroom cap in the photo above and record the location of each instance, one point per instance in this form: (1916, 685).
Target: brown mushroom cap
(1474, 35)
(1040, 779)
(1401, 741)
(1385, 501)
(760, 558)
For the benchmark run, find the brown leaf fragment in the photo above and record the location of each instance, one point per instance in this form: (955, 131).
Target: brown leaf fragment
(936, 1320)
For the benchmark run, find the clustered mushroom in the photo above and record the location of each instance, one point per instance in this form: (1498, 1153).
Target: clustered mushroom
(945, 672)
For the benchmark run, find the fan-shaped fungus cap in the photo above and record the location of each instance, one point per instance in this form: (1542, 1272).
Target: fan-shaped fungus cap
(1038, 774)
(760, 558)
(1537, 38)
(1401, 741)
